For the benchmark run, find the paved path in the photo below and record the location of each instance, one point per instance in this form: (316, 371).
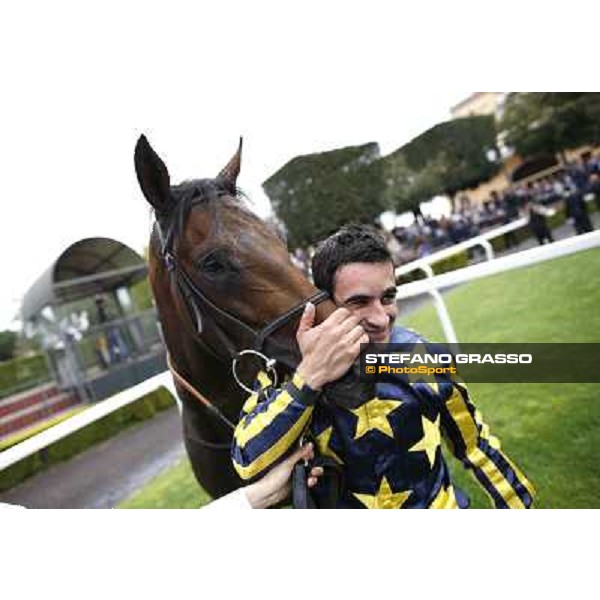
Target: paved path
(108, 472)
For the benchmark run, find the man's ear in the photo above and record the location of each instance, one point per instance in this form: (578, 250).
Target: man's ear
(229, 174)
(153, 176)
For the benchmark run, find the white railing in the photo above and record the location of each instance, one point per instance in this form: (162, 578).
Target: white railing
(431, 285)
(483, 240)
(51, 435)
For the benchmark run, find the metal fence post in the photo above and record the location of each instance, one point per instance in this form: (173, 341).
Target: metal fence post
(444, 316)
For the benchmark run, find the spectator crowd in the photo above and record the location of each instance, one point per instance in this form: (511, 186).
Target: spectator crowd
(534, 200)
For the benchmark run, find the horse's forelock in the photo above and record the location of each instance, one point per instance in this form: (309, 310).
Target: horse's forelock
(185, 196)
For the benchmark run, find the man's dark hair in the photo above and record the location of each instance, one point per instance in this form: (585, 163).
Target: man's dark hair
(351, 244)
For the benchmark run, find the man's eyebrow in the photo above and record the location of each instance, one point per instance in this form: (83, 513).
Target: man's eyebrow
(391, 290)
(357, 297)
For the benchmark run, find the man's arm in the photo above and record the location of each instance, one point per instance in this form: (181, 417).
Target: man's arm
(272, 421)
(473, 444)
(274, 487)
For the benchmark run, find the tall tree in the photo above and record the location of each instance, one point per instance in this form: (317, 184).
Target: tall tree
(447, 158)
(317, 193)
(550, 122)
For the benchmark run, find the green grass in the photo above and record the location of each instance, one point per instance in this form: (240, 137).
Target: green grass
(555, 301)
(551, 431)
(174, 488)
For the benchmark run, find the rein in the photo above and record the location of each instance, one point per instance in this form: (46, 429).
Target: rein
(188, 387)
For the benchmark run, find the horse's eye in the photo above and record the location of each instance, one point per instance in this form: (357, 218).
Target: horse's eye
(213, 264)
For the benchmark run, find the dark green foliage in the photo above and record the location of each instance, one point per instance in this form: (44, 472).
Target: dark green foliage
(140, 410)
(21, 373)
(447, 158)
(142, 295)
(20, 471)
(520, 235)
(451, 263)
(316, 194)
(549, 122)
(8, 344)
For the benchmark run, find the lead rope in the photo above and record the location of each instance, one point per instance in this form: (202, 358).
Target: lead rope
(196, 394)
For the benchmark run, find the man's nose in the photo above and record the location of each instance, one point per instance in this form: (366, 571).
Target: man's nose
(378, 316)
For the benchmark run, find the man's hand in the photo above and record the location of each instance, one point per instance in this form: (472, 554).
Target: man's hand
(275, 485)
(329, 349)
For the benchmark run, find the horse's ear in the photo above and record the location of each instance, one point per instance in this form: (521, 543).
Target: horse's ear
(230, 172)
(153, 176)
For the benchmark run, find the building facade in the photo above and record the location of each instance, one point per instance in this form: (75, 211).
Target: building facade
(480, 103)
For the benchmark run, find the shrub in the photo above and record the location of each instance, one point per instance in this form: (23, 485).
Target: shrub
(23, 372)
(452, 263)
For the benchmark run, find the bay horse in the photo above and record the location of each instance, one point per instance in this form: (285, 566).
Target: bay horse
(223, 282)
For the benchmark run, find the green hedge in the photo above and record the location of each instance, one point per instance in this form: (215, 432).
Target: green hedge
(520, 235)
(142, 409)
(23, 372)
(315, 194)
(452, 263)
(445, 159)
(141, 293)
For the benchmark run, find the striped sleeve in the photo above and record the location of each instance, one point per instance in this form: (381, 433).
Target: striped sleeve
(272, 420)
(472, 443)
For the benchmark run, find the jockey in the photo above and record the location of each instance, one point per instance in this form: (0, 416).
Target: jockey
(388, 448)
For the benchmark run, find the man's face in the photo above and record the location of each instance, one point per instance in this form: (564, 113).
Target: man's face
(368, 291)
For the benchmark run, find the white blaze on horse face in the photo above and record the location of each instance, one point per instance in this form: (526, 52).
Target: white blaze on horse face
(368, 291)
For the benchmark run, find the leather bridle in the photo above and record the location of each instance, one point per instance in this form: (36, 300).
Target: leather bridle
(202, 308)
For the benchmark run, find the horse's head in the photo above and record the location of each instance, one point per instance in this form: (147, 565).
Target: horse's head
(231, 274)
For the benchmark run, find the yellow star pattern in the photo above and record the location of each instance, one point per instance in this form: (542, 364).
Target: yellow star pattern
(384, 498)
(431, 439)
(323, 444)
(373, 415)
